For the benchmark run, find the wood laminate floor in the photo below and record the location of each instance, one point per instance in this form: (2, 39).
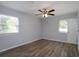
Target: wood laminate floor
(43, 48)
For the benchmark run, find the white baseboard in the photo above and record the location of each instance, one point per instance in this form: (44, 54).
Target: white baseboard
(17, 45)
(59, 40)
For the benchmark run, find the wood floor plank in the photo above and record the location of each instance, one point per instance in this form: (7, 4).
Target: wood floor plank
(43, 48)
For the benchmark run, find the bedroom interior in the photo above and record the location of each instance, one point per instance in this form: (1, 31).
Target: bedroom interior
(39, 29)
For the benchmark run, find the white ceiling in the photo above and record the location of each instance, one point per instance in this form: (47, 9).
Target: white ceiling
(31, 7)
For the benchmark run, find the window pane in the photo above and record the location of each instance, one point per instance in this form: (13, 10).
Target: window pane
(8, 24)
(63, 26)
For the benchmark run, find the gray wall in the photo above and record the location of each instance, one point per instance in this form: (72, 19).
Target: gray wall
(78, 31)
(50, 28)
(29, 30)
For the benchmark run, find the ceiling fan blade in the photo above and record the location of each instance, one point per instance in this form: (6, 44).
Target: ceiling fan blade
(52, 14)
(51, 10)
(40, 10)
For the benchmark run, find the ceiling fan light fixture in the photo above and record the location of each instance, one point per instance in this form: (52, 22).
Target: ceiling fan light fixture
(45, 12)
(45, 15)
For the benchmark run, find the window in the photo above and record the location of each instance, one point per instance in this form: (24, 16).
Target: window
(8, 24)
(63, 26)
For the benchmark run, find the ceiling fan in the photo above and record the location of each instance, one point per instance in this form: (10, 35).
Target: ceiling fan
(45, 12)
